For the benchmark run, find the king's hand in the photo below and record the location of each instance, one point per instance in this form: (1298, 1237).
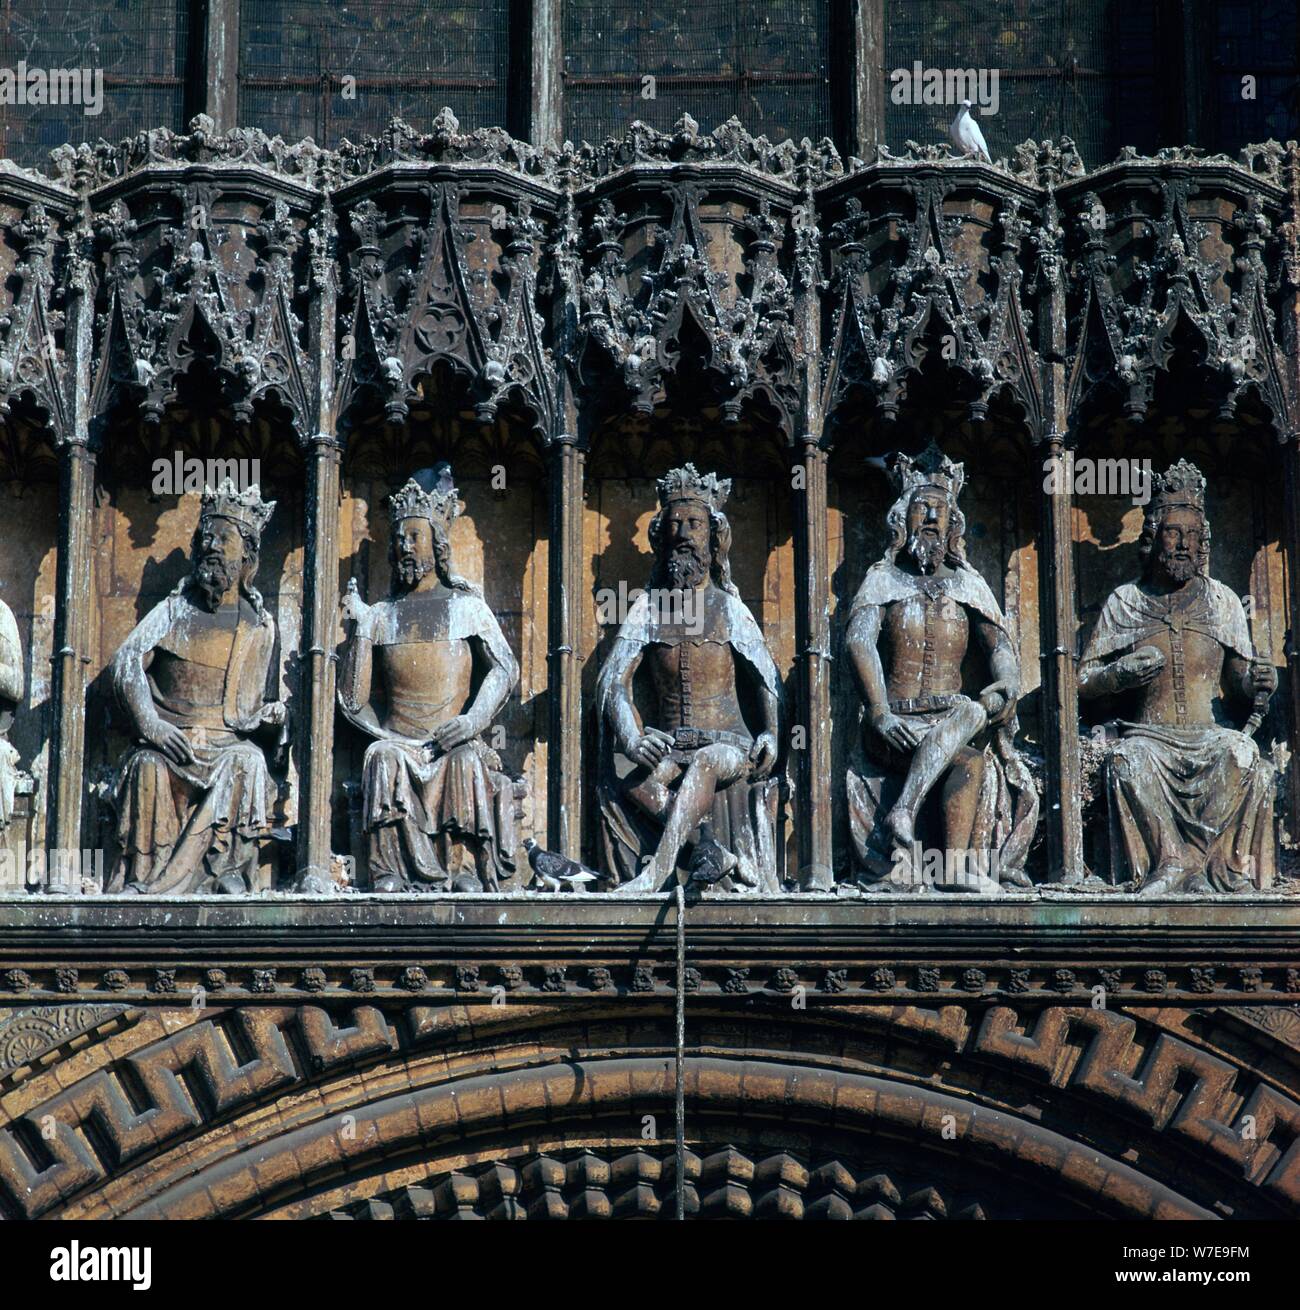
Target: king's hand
(1263, 678)
(172, 742)
(762, 755)
(351, 606)
(455, 732)
(275, 713)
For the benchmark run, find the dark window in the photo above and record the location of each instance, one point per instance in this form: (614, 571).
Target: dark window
(408, 57)
(765, 61)
(1255, 38)
(1082, 68)
(139, 46)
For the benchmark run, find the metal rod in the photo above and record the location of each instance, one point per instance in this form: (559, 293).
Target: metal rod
(680, 1108)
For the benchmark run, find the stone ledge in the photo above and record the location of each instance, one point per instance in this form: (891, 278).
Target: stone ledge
(471, 949)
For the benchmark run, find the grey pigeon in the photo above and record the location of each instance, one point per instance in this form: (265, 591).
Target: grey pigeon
(439, 479)
(966, 135)
(552, 872)
(711, 861)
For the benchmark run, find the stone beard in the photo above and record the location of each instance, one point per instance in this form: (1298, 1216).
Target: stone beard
(195, 797)
(910, 627)
(1189, 797)
(705, 753)
(438, 811)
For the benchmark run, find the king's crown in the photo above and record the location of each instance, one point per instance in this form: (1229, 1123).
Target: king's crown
(247, 508)
(1181, 485)
(931, 468)
(688, 483)
(439, 504)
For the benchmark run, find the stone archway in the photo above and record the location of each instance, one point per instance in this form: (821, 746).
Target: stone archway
(566, 1110)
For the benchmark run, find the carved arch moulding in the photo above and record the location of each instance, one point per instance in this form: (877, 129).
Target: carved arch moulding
(524, 1112)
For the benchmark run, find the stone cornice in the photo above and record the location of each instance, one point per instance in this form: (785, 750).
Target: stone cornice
(1055, 948)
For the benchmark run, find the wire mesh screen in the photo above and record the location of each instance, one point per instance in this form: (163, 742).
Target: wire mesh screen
(1255, 39)
(1082, 68)
(765, 61)
(322, 69)
(133, 56)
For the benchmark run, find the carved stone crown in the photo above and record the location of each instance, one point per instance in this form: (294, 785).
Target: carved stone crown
(1181, 486)
(439, 505)
(247, 508)
(688, 483)
(931, 468)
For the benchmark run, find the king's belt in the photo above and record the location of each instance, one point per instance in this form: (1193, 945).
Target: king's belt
(690, 739)
(926, 704)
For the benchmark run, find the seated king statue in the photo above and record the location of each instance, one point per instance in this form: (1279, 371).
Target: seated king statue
(1190, 799)
(195, 796)
(424, 673)
(920, 613)
(702, 756)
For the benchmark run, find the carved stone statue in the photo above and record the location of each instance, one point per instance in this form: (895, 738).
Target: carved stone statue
(195, 796)
(1190, 799)
(910, 627)
(438, 811)
(11, 692)
(706, 749)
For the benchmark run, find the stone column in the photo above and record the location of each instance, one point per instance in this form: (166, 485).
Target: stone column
(75, 597)
(564, 671)
(1058, 604)
(866, 56)
(73, 610)
(545, 74)
(1060, 699)
(1289, 333)
(221, 59)
(321, 600)
(813, 671)
(320, 577)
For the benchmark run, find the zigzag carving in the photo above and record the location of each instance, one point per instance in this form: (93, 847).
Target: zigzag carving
(207, 1070)
(88, 1131)
(1109, 1070)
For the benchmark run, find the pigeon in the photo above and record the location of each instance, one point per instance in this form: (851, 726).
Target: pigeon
(711, 861)
(552, 872)
(437, 479)
(966, 135)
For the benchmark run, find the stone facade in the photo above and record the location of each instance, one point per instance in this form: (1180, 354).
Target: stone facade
(565, 325)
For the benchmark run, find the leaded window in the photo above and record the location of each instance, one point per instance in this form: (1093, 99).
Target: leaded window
(1255, 40)
(139, 48)
(1087, 70)
(765, 61)
(320, 69)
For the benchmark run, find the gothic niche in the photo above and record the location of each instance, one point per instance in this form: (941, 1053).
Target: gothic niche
(1189, 798)
(912, 624)
(194, 797)
(423, 675)
(696, 769)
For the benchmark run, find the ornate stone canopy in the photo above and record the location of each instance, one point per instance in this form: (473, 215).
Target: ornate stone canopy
(623, 306)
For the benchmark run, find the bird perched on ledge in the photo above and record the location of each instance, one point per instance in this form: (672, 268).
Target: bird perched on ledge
(711, 861)
(552, 872)
(966, 135)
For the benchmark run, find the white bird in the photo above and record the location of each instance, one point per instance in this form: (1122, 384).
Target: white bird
(966, 135)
